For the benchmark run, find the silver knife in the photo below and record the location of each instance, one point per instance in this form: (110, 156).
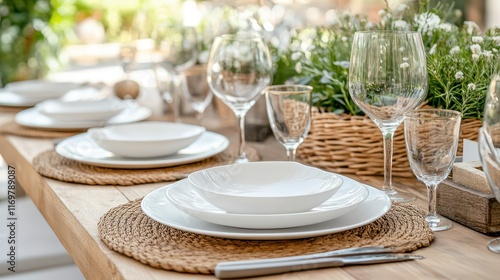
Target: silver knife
(335, 253)
(227, 270)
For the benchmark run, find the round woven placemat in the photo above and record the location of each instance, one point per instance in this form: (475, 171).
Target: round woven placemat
(52, 165)
(127, 230)
(19, 130)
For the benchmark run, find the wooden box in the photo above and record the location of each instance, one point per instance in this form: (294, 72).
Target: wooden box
(469, 207)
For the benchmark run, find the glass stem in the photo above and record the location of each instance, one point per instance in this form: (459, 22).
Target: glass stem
(388, 146)
(241, 150)
(432, 194)
(290, 154)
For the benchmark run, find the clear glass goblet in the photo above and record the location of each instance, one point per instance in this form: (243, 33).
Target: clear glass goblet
(176, 49)
(489, 144)
(431, 143)
(196, 91)
(388, 77)
(289, 112)
(239, 68)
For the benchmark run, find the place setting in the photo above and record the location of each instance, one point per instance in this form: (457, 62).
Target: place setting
(226, 213)
(136, 153)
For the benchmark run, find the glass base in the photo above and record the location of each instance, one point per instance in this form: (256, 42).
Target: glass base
(438, 222)
(241, 159)
(494, 245)
(402, 197)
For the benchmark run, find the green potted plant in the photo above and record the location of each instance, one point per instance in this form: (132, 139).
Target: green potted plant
(460, 62)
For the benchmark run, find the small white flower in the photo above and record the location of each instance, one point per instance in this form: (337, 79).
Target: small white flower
(433, 49)
(454, 50)
(381, 13)
(401, 25)
(370, 25)
(402, 7)
(477, 39)
(404, 65)
(445, 27)
(458, 13)
(344, 39)
(427, 22)
(487, 54)
(459, 75)
(496, 39)
(471, 86)
(343, 64)
(406, 59)
(494, 50)
(472, 27)
(475, 57)
(476, 49)
(298, 67)
(296, 55)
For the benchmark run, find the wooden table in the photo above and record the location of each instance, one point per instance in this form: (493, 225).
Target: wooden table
(73, 210)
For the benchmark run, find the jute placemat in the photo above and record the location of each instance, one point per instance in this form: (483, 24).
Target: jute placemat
(127, 230)
(19, 130)
(52, 165)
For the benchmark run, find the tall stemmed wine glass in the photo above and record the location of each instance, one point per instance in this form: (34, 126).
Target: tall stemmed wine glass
(489, 144)
(239, 68)
(388, 77)
(431, 143)
(176, 48)
(289, 112)
(196, 90)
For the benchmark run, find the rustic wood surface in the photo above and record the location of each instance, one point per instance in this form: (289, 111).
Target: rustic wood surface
(73, 210)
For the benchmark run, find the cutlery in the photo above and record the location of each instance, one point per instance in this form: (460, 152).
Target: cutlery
(351, 256)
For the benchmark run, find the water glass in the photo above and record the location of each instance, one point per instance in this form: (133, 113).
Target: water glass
(431, 143)
(489, 144)
(289, 112)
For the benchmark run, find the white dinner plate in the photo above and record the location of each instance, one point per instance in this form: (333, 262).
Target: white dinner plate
(157, 207)
(81, 148)
(11, 99)
(41, 89)
(183, 196)
(81, 110)
(32, 118)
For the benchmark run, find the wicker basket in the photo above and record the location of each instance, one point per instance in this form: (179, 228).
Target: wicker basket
(348, 144)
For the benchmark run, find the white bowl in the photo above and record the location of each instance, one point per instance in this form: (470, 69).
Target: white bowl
(272, 187)
(40, 89)
(145, 139)
(81, 110)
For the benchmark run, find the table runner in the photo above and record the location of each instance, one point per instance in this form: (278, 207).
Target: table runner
(127, 230)
(13, 109)
(19, 130)
(52, 165)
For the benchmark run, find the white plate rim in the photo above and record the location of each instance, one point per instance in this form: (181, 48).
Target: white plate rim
(282, 220)
(157, 199)
(11, 99)
(32, 118)
(130, 163)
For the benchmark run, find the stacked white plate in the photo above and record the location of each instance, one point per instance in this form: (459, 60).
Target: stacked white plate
(182, 205)
(143, 145)
(90, 109)
(31, 92)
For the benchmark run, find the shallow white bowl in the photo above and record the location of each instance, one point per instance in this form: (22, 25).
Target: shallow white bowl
(272, 187)
(81, 110)
(40, 89)
(145, 139)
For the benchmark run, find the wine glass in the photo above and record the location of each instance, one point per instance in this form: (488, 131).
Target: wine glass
(489, 144)
(431, 143)
(196, 90)
(239, 68)
(289, 112)
(388, 77)
(176, 49)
